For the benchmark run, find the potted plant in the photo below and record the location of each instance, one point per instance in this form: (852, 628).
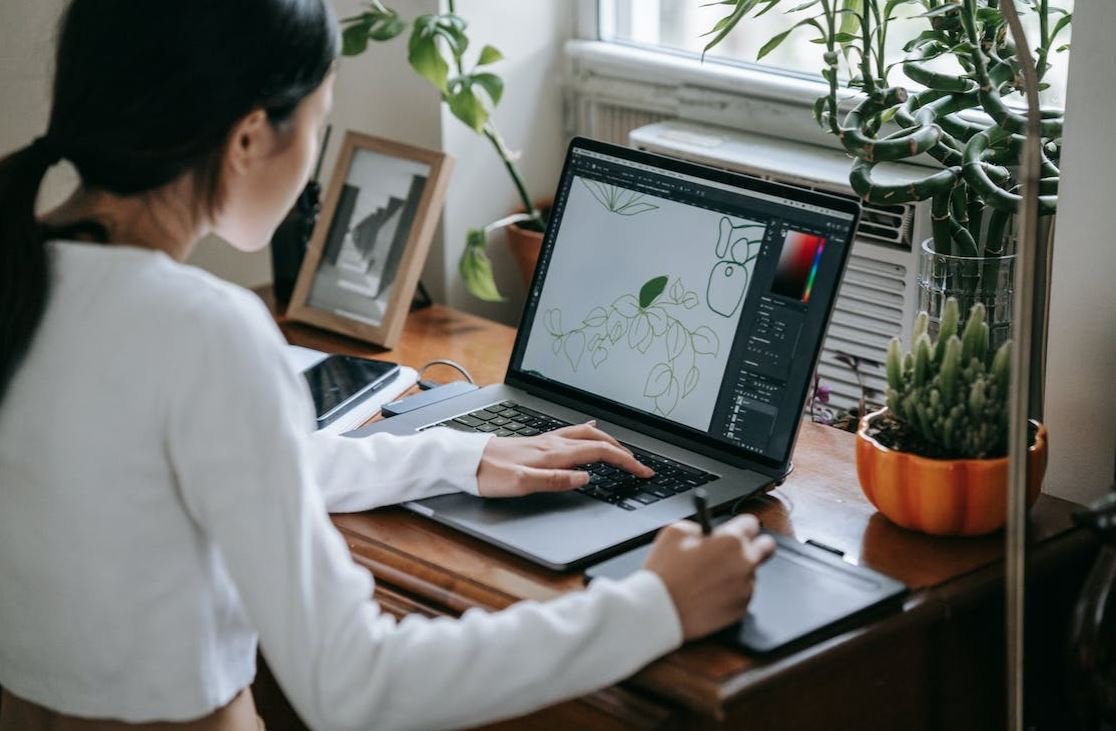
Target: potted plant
(934, 459)
(957, 116)
(436, 51)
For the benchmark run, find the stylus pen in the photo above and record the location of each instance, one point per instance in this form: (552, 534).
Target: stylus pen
(701, 507)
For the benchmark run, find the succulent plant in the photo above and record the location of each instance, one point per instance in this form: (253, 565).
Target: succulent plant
(951, 393)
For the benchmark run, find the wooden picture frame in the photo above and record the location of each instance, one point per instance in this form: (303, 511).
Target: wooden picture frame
(371, 240)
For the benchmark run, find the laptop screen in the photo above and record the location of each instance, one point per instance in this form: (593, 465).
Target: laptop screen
(687, 298)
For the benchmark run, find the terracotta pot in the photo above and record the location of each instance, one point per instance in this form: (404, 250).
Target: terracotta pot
(525, 244)
(959, 497)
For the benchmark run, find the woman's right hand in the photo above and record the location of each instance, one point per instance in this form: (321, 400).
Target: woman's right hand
(710, 578)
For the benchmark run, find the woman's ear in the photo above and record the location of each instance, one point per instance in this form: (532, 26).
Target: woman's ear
(251, 139)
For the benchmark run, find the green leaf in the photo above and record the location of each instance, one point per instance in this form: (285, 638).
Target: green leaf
(652, 289)
(492, 84)
(941, 10)
(354, 39)
(850, 24)
(726, 24)
(489, 54)
(890, 7)
(386, 30)
(819, 107)
(773, 43)
(468, 108)
(1063, 21)
(803, 6)
(476, 268)
(426, 59)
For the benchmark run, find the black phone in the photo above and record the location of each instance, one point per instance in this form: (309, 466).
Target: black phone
(340, 382)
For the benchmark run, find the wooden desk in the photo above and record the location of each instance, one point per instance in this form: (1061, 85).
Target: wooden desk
(935, 664)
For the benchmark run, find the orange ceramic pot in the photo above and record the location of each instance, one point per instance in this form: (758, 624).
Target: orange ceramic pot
(958, 497)
(526, 244)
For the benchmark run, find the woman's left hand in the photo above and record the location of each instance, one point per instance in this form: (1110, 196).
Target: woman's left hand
(515, 466)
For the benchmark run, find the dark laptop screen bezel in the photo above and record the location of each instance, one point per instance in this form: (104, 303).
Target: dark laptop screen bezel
(655, 426)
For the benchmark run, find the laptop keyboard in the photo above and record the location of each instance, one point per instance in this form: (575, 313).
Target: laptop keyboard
(606, 483)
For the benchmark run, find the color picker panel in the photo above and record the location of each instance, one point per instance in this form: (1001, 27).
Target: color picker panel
(798, 265)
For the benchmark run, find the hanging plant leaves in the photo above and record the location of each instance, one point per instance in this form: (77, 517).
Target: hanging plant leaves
(599, 356)
(489, 54)
(649, 291)
(476, 268)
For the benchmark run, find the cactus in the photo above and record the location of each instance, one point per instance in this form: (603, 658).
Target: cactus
(952, 394)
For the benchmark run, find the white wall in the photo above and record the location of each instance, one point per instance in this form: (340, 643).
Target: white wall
(531, 35)
(1081, 395)
(27, 34)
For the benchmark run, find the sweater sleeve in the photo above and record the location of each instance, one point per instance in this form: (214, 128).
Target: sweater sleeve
(385, 469)
(245, 465)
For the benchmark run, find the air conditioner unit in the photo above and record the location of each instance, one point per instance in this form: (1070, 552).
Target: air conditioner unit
(878, 297)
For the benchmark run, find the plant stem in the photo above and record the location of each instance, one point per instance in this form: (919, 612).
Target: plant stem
(505, 155)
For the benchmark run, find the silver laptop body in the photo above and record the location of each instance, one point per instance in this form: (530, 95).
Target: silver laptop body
(680, 306)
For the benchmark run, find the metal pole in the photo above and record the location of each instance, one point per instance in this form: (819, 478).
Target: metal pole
(1016, 535)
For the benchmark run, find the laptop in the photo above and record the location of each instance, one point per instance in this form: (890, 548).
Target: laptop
(681, 306)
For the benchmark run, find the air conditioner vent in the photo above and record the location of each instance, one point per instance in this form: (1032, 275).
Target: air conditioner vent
(889, 225)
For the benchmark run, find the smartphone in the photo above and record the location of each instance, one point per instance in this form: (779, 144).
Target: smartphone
(340, 382)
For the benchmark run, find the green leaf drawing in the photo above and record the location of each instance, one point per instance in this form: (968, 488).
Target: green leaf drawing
(675, 339)
(626, 305)
(666, 402)
(596, 317)
(620, 201)
(552, 321)
(652, 289)
(574, 349)
(639, 334)
(691, 381)
(616, 327)
(658, 380)
(646, 322)
(705, 341)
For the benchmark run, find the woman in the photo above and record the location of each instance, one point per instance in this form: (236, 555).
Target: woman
(163, 497)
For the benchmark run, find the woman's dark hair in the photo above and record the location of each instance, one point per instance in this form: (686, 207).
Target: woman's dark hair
(145, 91)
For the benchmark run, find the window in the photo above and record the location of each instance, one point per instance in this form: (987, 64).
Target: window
(677, 26)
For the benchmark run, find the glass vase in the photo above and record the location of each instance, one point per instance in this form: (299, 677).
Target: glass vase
(986, 279)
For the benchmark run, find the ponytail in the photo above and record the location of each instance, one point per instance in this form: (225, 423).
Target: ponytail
(24, 269)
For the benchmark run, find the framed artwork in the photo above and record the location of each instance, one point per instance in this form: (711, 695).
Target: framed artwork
(371, 240)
